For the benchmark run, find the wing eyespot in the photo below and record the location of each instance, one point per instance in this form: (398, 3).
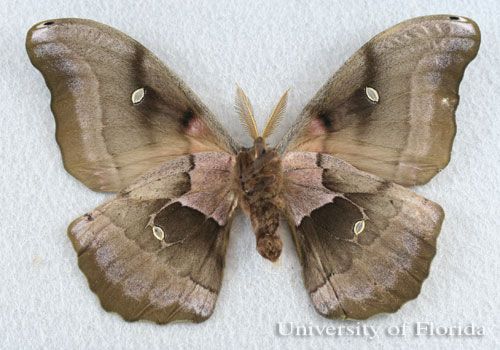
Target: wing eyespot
(359, 227)
(138, 95)
(372, 94)
(158, 233)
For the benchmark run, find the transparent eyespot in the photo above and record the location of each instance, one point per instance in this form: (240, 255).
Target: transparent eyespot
(372, 94)
(359, 227)
(158, 233)
(137, 95)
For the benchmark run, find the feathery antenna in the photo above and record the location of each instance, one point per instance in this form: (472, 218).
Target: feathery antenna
(245, 110)
(276, 116)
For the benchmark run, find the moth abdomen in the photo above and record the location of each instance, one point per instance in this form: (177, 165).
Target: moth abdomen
(265, 219)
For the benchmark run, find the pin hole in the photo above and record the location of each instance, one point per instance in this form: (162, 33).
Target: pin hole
(454, 18)
(48, 23)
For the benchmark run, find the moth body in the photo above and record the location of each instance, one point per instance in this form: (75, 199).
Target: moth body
(259, 181)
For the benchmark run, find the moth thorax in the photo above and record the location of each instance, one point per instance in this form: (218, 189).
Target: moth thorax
(259, 173)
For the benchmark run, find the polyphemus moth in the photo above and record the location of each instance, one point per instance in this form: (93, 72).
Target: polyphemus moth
(126, 123)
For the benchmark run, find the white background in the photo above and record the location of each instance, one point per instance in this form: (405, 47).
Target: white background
(266, 47)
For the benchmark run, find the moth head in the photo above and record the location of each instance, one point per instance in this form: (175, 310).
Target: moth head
(245, 111)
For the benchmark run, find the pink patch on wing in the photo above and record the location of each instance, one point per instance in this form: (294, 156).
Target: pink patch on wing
(211, 183)
(196, 127)
(305, 191)
(316, 127)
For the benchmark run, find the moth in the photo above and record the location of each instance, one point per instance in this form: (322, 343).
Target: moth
(385, 121)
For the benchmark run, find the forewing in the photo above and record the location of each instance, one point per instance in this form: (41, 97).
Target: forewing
(156, 251)
(390, 109)
(365, 244)
(119, 111)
